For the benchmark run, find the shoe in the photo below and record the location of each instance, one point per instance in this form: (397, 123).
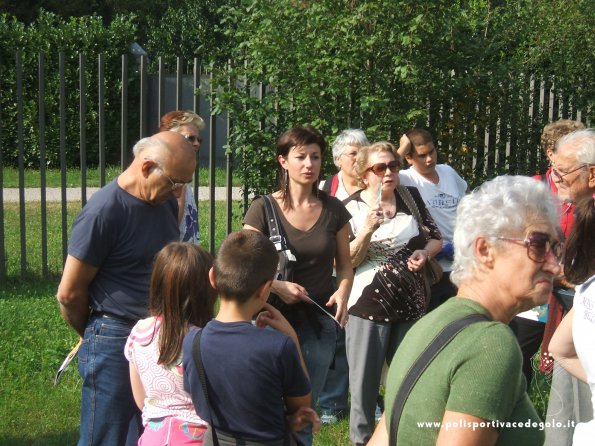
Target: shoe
(328, 418)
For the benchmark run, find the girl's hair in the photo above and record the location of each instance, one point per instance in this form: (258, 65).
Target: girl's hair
(296, 137)
(180, 294)
(175, 119)
(579, 262)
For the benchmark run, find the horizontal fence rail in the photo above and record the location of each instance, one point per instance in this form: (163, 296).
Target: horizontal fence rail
(103, 107)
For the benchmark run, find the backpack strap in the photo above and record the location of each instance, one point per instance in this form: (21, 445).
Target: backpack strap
(442, 339)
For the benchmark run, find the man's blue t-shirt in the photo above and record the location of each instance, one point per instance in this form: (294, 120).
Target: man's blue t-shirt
(249, 370)
(120, 234)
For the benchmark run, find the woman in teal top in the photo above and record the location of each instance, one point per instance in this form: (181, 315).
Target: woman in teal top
(474, 392)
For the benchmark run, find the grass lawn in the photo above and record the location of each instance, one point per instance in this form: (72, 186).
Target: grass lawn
(73, 177)
(34, 340)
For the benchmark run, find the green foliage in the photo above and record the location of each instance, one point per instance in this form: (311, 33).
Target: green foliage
(51, 35)
(457, 68)
(187, 29)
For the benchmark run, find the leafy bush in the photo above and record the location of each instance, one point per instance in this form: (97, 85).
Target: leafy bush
(51, 35)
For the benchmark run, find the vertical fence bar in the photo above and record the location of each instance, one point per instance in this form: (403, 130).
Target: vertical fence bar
(161, 91)
(42, 164)
(61, 69)
(2, 244)
(229, 163)
(212, 165)
(21, 149)
(196, 109)
(248, 93)
(124, 114)
(178, 83)
(101, 113)
(82, 128)
(143, 96)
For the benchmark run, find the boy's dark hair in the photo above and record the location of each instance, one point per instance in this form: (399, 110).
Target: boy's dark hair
(419, 137)
(181, 294)
(580, 246)
(245, 260)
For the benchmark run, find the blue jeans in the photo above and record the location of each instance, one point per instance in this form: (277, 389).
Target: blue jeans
(318, 348)
(334, 396)
(109, 415)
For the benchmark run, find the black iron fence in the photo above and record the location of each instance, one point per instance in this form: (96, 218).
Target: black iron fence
(75, 111)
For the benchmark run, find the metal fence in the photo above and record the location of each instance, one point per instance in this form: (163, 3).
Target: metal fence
(156, 94)
(110, 118)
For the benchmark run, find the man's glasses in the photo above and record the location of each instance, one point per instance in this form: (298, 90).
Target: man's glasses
(193, 138)
(380, 168)
(175, 185)
(539, 245)
(560, 176)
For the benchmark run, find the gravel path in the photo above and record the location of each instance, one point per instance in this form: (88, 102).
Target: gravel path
(11, 195)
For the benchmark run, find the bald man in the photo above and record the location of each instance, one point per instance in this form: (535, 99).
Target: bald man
(105, 284)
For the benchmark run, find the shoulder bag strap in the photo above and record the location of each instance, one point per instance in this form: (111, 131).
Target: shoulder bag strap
(203, 380)
(334, 184)
(412, 205)
(441, 340)
(275, 229)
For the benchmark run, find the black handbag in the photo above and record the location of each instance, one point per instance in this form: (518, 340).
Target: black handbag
(286, 258)
(432, 270)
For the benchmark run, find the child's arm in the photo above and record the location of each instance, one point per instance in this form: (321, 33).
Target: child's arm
(138, 391)
(272, 317)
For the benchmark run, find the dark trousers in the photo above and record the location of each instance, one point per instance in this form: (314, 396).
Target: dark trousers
(529, 335)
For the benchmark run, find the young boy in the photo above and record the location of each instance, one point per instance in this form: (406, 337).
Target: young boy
(441, 188)
(258, 387)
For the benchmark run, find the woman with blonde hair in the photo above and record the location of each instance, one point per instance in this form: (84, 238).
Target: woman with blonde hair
(188, 124)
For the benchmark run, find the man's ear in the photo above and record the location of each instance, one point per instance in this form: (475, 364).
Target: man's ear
(147, 167)
(409, 156)
(212, 277)
(591, 177)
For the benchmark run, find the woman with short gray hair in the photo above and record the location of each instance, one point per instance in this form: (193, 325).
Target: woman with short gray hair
(345, 148)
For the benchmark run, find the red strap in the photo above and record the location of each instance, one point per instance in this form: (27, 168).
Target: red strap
(334, 184)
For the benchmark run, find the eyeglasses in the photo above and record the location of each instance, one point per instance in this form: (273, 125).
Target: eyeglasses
(560, 176)
(351, 154)
(175, 185)
(539, 245)
(193, 138)
(380, 168)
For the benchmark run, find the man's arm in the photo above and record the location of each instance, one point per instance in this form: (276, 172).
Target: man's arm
(73, 292)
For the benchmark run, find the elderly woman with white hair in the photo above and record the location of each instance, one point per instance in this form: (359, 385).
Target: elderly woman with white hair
(457, 376)
(345, 181)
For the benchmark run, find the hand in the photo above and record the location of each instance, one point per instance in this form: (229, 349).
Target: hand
(290, 292)
(417, 260)
(404, 146)
(272, 317)
(302, 417)
(374, 219)
(341, 316)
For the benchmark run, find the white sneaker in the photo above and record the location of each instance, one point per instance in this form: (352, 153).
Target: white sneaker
(328, 418)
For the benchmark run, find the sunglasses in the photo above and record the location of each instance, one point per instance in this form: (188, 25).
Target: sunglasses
(380, 168)
(193, 138)
(539, 245)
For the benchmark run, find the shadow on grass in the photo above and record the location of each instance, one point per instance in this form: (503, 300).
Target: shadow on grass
(53, 439)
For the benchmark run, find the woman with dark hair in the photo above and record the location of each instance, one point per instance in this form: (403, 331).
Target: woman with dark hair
(572, 345)
(180, 297)
(188, 124)
(316, 229)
